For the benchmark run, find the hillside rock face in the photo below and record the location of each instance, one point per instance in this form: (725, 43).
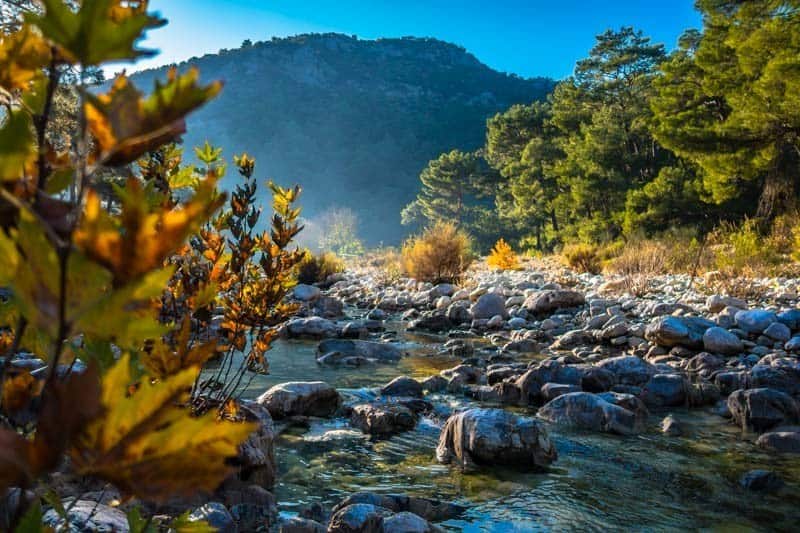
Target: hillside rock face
(352, 121)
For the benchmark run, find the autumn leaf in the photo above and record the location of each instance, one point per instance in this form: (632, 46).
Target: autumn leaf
(148, 444)
(141, 237)
(23, 54)
(162, 361)
(15, 468)
(17, 148)
(126, 125)
(99, 31)
(19, 390)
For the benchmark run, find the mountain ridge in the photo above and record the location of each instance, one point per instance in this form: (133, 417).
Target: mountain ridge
(351, 120)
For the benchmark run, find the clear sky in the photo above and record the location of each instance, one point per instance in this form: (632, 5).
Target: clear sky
(529, 38)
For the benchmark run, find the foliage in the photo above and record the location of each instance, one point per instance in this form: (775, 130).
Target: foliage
(316, 268)
(441, 254)
(581, 257)
(741, 249)
(86, 275)
(503, 257)
(339, 229)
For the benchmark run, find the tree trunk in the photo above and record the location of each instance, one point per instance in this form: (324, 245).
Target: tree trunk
(779, 191)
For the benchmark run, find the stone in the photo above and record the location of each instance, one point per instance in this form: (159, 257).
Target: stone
(552, 300)
(762, 409)
(215, 515)
(550, 391)
(382, 419)
(678, 331)
(517, 323)
(717, 303)
(405, 522)
(494, 437)
(314, 327)
(754, 320)
(629, 369)
(665, 390)
(303, 398)
(375, 351)
(722, 341)
(327, 307)
(790, 318)
(780, 441)
(256, 455)
(793, 344)
(431, 322)
(778, 332)
(87, 515)
(377, 314)
(251, 506)
(301, 525)
(429, 509)
(671, 427)
(761, 480)
(594, 412)
(306, 293)
(402, 386)
(489, 305)
(434, 384)
(358, 518)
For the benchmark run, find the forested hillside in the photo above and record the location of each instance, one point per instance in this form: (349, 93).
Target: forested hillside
(353, 121)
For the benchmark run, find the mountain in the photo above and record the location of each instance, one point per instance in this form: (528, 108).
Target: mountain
(353, 121)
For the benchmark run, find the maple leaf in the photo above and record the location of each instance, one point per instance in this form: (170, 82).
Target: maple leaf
(141, 238)
(148, 444)
(126, 126)
(99, 31)
(23, 54)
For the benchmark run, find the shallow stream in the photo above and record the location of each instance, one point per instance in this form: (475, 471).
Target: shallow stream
(599, 482)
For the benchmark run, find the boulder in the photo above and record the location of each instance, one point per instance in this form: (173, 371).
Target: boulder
(717, 303)
(790, 318)
(489, 305)
(405, 522)
(762, 409)
(256, 455)
(87, 515)
(722, 341)
(358, 518)
(314, 327)
(778, 332)
(552, 300)
(678, 331)
(431, 322)
(429, 509)
(382, 419)
(595, 412)
(665, 390)
(306, 293)
(402, 386)
(303, 398)
(301, 525)
(492, 437)
(780, 441)
(374, 351)
(754, 320)
(629, 369)
(550, 391)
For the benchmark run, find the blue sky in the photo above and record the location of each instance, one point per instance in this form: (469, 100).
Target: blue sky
(529, 38)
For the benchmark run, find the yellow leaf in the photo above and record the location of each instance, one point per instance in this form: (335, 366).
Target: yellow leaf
(148, 445)
(161, 361)
(126, 126)
(17, 149)
(23, 54)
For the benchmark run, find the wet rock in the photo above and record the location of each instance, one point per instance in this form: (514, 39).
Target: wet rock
(552, 300)
(215, 515)
(531, 382)
(755, 320)
(550, 391)
(778, 332)
(458, 313)
(607, 412)
(434, 384)
(429, 509)
(671, 427)
(762, 409)
(306, 293)
(402, 386)
(570, 339)
(301, 525)
(761, 480)
(494, 436)
(304, 398)
(793, 344)
(779, 374)
(780, 441)
(629, 369)
(251, 506)
(87, 515)
(382, 419)
(341, 359)
(665, 390)
(327, 307)
(405, 522)
(376, 351)
(358, 518)
(256, 455)
(678, 331)
(719, 340)
(595, 379)
(431, 322)
(313, 327)
(791, 318)
(488, 306)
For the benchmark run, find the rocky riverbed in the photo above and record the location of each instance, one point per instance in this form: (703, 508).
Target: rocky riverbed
(534, 399)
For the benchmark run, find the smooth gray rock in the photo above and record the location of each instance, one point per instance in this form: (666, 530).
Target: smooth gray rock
(665, 390)
(376, 351)
(678, 331)
(402, 386)
(303, 398)
(306, 293)
(717, 303)
(489, 305)
(87, 515)
(358, 518)
(780, 441)
(722, 341)
(382, 419)
(778, 332)
(629, 369)
(594, 412)
(762, 409)
(493, 437)
(755, 320)
(552, 300)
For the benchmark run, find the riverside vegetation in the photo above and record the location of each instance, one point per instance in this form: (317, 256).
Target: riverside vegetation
(172, 362)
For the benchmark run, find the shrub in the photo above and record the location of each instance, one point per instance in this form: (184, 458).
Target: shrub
(502, 257)
(741, 250)
(638, 262)
(317, 268)
(441, 254)
(581, 257)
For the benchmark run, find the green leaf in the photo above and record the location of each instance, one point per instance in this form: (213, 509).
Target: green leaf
(182, 524)
(17, 149)
(99, 31)
(139, 524)
(31, 521)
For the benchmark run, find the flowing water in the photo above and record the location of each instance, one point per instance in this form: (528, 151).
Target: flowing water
(599, 482)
